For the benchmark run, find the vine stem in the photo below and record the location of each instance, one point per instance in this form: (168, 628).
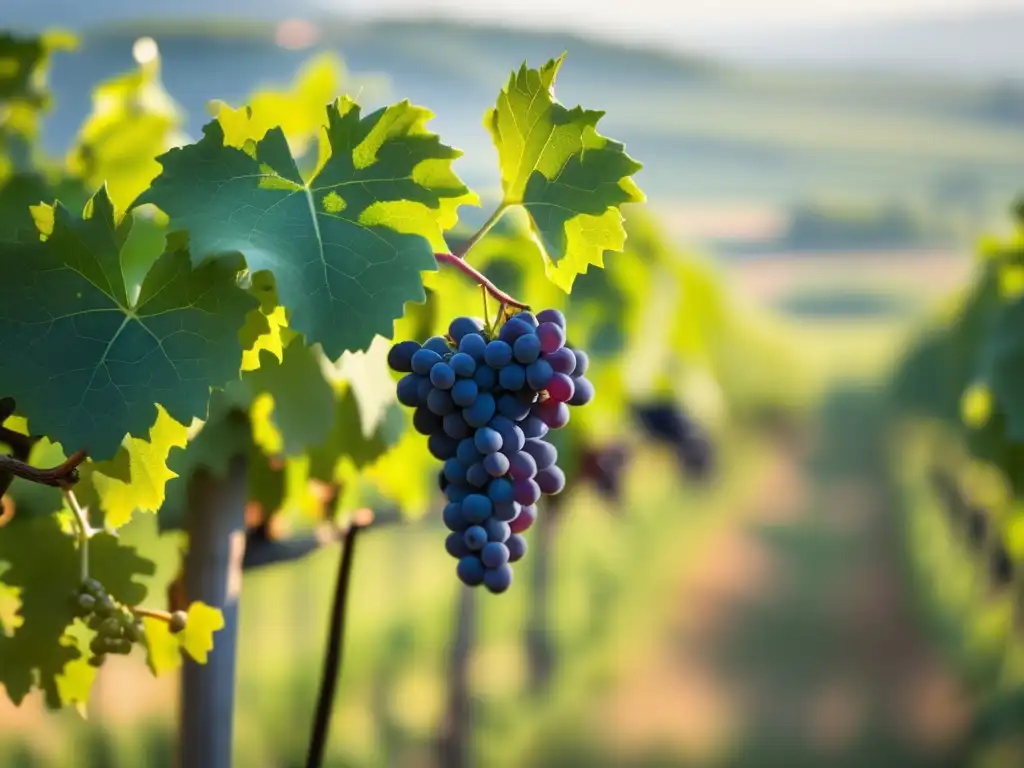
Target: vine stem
(477, 236)
(336, 634)
(153, 613)
(467, 269)
(84, 529)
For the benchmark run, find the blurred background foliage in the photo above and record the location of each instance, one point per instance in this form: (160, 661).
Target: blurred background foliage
(817, 600)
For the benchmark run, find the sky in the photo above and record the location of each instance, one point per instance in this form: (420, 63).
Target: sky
(673, 20)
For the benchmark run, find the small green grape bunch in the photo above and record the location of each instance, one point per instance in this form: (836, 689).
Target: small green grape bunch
(117, 628)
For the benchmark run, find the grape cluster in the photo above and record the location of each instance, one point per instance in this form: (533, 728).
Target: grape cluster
(485, 398)
(117, 628)
(668, 424)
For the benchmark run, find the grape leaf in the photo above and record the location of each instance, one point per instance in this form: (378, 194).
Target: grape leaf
(347, 248)
(136, 477)
(43, 564)
(225, 433)
(1005, 350)
(303, 399)
(18, 192)
(406, 474)
(85, 363)
(348, 439)
(196, 639)
(133, 120)
(299, 110)
(569, 178)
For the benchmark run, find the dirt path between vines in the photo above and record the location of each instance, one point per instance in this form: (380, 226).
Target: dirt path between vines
(791, 644)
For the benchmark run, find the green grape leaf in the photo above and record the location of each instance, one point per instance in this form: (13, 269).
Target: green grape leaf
(18, 192)
(136, 477)
(196, 639)
(43, 563)
(303, 399)
(299, 110)
(84, 362)
(1005, 351)
(347, 437)
(346, 248)
(569, 178)
(225, 433)
(133, 120)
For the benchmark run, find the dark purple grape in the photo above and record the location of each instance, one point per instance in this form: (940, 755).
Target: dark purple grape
(500, 491)
(465, 393)
(441, 446)
(584, 392)
(516, 547)
(552, 337)
(480, 412)
(511, 408)
(453, 518)
(539, 374)
(408, 390)
(522, 464)
(497, 530)
(513, 329)
(464, 365)
(471, 571)
(498, 354)
(487, 440)
(400, 356)
(462, 326)
(424, 360)
(544, 453)
(561, 388)
(467, 452)
(458, 492)
(486, 378)
(533, 427)
(524, 520)
(512, 377)
(526, 491)
(496, 464)
(455, 471)
(425, 422)
(527, 317)
(551, 316)
(442, 481)
(513, 440)
(498, 580)
(438, 344)
(526, 349)
(477, 475)
(473, 344)
(476, 508)
(442, 376)
(582, 362)
(456, 427)
(423, 389)
(552, 413)
(475, 537)
(494, 554)
(506, 511)
(562, 361)
(455, 545)
(551, 480)
(440, 401)
(526, 396)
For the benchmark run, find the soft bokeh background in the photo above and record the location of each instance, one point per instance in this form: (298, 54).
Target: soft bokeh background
(838, 160)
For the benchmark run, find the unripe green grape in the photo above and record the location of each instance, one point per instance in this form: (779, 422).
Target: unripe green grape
(134, 632)
(93, 587)
(179, 619)
(99, 645)
(106, 606)
(97, 660)
(86, 603)
(110, 627)
(95, 622)
(122, 647)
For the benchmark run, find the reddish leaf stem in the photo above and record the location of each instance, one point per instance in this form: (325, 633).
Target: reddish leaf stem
(475, 274)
